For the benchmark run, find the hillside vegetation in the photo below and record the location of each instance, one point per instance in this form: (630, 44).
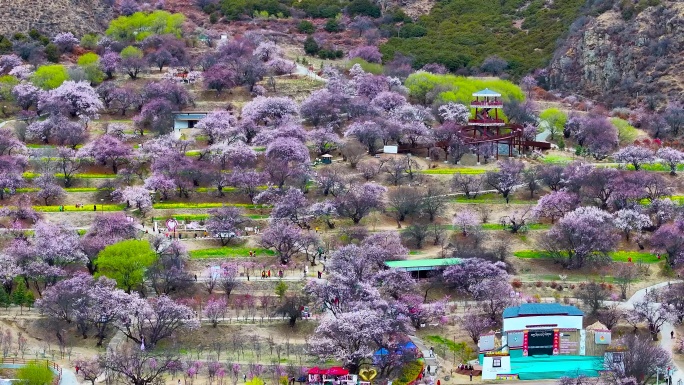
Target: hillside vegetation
(462, 33)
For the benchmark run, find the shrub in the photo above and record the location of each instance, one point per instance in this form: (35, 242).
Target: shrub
(539, 284)
(332, 25)
(409, 373)
(517, 283)
(52, 53)
(363, 7)
(553, 285)
(310, 46)
(307, 27)
(35, 373)
(412, 30)
(50, 77)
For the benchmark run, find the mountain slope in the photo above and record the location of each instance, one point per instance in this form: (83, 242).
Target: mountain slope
(614, 59)
(53, 16)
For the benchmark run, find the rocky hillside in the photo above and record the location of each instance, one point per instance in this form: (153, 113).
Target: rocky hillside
(53, 16)
(616, 56)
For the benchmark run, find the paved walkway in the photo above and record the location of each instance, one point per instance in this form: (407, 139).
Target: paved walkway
(666, 342)
(68, 377)
(304, 71)
(431, 360)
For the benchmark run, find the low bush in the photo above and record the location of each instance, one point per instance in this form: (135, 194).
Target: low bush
(409, 373)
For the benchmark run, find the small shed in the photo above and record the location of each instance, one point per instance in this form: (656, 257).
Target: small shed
(420, 268)
(326, 159)
(187, 119)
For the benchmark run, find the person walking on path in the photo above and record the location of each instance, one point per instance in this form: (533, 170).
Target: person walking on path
(672, 335)
(471, 375)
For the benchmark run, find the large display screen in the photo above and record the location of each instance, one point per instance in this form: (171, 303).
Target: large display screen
(540, 342)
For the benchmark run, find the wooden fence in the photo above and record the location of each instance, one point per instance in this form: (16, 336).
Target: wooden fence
(20, 361)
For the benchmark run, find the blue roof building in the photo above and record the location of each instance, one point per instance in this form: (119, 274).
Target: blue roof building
(539, 309)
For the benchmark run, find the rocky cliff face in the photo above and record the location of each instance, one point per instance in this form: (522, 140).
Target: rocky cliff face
(54, 16)
(617, 59)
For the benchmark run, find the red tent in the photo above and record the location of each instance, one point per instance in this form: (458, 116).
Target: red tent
(317, 370)
(337, 371)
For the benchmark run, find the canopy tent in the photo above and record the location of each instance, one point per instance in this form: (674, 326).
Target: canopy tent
(317, 370)
(337, 371)
(409, 345)
(381, 352)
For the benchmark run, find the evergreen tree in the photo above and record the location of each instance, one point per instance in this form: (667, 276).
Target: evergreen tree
(5, 299)
(19, 295)
(29, 300)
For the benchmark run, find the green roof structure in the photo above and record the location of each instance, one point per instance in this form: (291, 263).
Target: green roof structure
(422, 264)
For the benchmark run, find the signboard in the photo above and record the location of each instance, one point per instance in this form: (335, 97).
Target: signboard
(540, 342)
(602, 337)
(486, 342)
(525, 343)
(391, 149)
(583, 343)
(567, 346)
(515, 339)
(171, 224)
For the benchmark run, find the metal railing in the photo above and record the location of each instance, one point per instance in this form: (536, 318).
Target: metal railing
(22, 361)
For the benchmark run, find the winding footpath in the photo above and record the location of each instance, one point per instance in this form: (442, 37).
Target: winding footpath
(666, 342)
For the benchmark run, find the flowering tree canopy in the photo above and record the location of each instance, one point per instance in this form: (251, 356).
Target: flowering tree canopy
(582, 235)
(470, 271)
(634, 155)
(219, 126)
(225, 223)
(360, 200)
(671, 158)
(270, 110)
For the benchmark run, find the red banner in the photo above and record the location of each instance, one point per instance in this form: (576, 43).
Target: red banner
(524, 347)
(556, 342)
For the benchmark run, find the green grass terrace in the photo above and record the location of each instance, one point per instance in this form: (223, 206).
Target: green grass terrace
(616, 256)
(200, 217)
(456, 170)
(229, 252)
(88, 207)
(203, 205)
